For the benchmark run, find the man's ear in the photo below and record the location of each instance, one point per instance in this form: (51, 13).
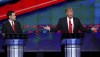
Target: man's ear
(9, 16)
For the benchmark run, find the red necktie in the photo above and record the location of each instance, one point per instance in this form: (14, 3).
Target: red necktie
(13, 26)
(70, 27)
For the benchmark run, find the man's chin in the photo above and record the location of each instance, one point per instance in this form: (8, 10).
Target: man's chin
(14, 20)
(70, 16)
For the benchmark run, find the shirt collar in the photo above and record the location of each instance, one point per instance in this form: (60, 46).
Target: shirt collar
(11, 21)
(70, 19)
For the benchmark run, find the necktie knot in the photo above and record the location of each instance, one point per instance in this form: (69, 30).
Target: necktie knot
(12, 22)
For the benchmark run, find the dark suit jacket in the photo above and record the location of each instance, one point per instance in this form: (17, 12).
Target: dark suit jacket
(6, 27)
(62, 25)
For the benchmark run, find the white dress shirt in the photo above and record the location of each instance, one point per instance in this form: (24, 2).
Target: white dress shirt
(72, 22)
(11, 22)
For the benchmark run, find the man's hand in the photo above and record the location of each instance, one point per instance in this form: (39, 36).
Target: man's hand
(94, 29)
(46, 27)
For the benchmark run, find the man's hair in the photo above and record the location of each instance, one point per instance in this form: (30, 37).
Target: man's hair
(69, 8)
(9, 13)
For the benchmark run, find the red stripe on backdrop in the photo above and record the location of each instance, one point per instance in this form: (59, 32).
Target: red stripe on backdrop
(24, 6)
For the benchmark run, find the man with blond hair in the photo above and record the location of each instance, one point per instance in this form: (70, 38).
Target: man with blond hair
(68, 24)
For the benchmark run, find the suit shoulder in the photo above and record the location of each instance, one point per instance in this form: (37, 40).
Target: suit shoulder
(5, 23)
(61, 19)
(75, 18)
(17, 22)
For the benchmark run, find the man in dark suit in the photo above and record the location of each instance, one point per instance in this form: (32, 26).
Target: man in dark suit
(11, 26)
(68, 24)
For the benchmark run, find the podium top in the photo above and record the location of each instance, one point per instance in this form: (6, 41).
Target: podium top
(73, 35)
(15, 36)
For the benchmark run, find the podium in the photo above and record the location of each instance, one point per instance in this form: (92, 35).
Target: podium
(15, 44)
(72, 44)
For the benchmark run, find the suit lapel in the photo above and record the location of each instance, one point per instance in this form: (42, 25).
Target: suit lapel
(15, 25)
(9, 26)
(65, 23)
(74, 24)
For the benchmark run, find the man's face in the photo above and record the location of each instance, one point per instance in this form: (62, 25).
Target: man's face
(69, 13)
(13, 17)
